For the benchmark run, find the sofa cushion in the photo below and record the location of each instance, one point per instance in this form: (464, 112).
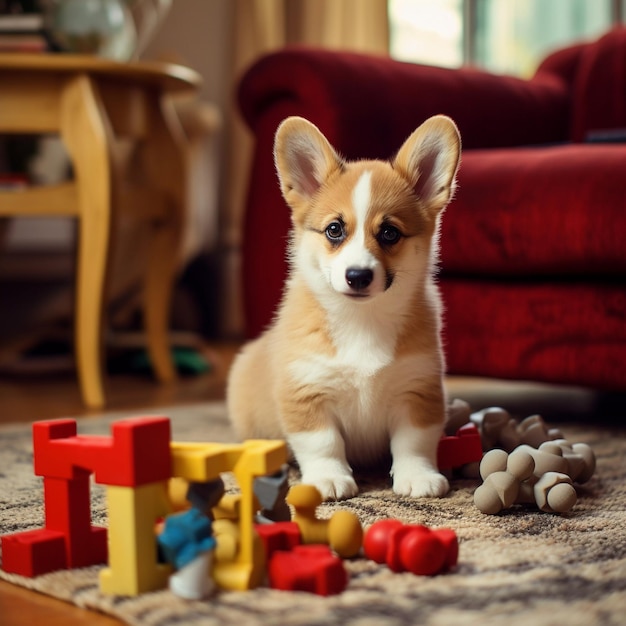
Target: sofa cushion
(599, 97)
(568, 332)
(557, 210)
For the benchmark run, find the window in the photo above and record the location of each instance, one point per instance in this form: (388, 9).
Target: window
(427, 31)
(506, 36)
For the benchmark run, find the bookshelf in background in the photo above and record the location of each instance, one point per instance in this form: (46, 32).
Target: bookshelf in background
(22, 28)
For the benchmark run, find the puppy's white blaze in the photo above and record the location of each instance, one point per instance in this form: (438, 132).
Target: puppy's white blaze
(354, 252)
(414, 452)
(361, 196)
(321, 455)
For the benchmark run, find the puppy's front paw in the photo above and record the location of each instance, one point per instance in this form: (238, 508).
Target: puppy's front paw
(332, 486)
(419, 482)
(322, 459)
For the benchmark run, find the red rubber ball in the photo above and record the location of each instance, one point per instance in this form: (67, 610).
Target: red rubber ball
(422, 553)
(376, 539)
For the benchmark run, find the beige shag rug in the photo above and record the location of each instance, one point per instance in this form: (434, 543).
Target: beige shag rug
(520, 567)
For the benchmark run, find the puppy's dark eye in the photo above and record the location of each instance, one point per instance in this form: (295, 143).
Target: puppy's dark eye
(389, 235)
(334, 231)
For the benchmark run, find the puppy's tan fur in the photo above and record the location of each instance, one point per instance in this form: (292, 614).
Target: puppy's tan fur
(352, 368)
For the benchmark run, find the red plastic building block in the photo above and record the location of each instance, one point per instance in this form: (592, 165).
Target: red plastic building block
(411, 548)
(33, 552)
(278, 536)
(460, 449)
(312, 568)
(138, 453)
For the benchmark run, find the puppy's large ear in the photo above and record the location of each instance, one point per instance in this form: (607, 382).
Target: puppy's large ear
(304, 159)
(429, 160)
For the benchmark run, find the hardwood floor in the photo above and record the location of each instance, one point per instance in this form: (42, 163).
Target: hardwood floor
(29, 398)
(20, 607)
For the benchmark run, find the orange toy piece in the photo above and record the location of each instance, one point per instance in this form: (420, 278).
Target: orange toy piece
(342, 532)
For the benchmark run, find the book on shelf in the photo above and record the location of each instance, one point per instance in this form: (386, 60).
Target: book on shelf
(25, 43)
(10, 181)
(23, 32)
(21, 22)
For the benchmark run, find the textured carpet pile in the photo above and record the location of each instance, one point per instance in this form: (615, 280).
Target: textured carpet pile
(519, 567)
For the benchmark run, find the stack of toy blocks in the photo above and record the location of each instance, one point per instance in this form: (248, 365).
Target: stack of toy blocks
(134, 465)
(139, 466)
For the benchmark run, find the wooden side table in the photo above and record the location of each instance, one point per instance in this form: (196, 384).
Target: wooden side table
(91, 103)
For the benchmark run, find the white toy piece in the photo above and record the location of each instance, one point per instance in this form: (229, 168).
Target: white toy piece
(543, 477)
(193, 581)
(580, 459)
(555, 493)
(503, 475)
(525, 462)
(534, 431)
(498, 428)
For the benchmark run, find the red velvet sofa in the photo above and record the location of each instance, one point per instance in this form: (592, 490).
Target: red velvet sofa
(533, 247)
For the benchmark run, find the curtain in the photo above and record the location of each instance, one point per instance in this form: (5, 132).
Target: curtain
(261, 26)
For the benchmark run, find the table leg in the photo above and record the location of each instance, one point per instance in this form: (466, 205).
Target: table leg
(86, 133)
(164, 157)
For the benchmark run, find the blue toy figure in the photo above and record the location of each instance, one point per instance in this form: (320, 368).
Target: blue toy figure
(187, 543)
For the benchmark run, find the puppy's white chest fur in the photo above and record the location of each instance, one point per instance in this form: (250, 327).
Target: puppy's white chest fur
(362, 352)
(363, 348)
(363, 385)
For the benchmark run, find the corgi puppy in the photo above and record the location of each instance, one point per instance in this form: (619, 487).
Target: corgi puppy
(352, 366)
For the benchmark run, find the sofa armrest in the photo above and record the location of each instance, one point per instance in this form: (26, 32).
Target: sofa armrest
(367, 105)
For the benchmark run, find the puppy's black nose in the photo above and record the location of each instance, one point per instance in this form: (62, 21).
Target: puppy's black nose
(359, 278)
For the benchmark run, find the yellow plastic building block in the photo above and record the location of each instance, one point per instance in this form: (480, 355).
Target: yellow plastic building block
(228, 507)
(201, 462)
(133, 567)
(177, 494)
(205, 461)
